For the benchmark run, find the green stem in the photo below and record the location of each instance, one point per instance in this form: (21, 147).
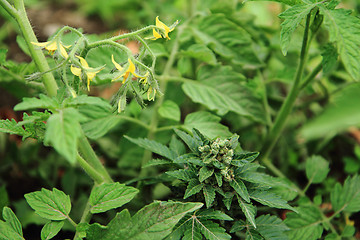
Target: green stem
(311, 76)
(88, 152)
(37, 55)
(8, 7)
(287, 106)
(90, 170)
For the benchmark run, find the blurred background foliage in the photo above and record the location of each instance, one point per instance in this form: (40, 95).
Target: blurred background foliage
(27, 166)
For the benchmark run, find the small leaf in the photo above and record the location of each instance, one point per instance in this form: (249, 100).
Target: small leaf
(193, 187)
(62, 132)
(249, 210)
(97, 128)
(240, 188)
(177, 146)
(88, 100)
(154, 146)
(292, 18)
(317, 169)
(11, 219)
(156, 162)
(52, 205)
(170, 110)
(110, 195)
(347, 197)
(270, 199)
(219, 177)
(51, 229)
(306, 224)
(200, 52)
(213, 214)
(205, 173)
(43, 101)
(191, 142)
(182, 174)
(209, 194)
(271, 227)
(12, 127)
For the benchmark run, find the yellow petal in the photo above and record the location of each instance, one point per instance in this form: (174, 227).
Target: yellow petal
(118, 67)
(150, 91)
(52, 46)
(83, 62)
(63, 52)
(75, 70)
(40, 44)
(156, 35)
(132, 67)
(88, 83)
(160, 24)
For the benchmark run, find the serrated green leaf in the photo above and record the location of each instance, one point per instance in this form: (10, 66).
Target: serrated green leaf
(177, 146)
(223, 90)
(43, 101)
(238, 226)
(182, 174)
(110, 195)
(347, 197)
(62, 132)
(227, 200)
(170, 110)
(88, 100)
(154, 146)
(304, 225)
(205, 173)
(97, 128)
(330, 56)
(253, 235)
(270, 199)
(8, 233)
(191, 142)
(52, 205)
(11, 219)
(211, 230)
(317, 169)
(206, 123)
(288, 2)
(209, 195)
(200, 52)
(344, 29)
(219, 177)
(240, 188)
(213, 214)
(249, 210)
(12, 127)
(292, 18)
(271, 227)
(154, 221)
(193, 187)
(51, 229)
(156, 162)
(342, 111)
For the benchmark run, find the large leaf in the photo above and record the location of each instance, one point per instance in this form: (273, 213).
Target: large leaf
(206, 123)
(317, 169)
(170, 110)
(270, 199)
(344, 29)
(224, 90)
(52, 205)
(305, 224)
(42, 102)
(347, 197)
(154, 146)
(249, 210)
(153, 222)
(343, 112)
(200, 52)
(110, 195)
(209, 195)
(62, 132)
(292, 18)
(240, 188)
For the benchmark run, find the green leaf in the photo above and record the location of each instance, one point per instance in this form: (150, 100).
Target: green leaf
(205, 173)
(52, 205)
(11, 219)
(153, 222)
(249, 210)
(288, 2)
(170, 110)
(317, 169)
(209, 195)
(62, 132)
(348, 231)
(88, 100)
(110, 195)
(304, 225)
(344, 29)
(154, 146)
(271, 227)
(212, 230)
(330, 56)
(97, 128)
(343, 112)
(12, 127)
(206, 123)
(193, 187)
(240, 188)
(200, 52)
(50, 229)
(219, 177)
(177, 146)
(182, 174)
(43, 101)
(270, 199)
(292, 18)
(347, 197)
(3, 56)
(224, 90)
(156, 162)
(191, 142)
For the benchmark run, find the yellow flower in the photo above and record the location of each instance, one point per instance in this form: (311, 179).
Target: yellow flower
(165, 28)
(125, 73)
(90, 72)
(151, 94)
(52, 46)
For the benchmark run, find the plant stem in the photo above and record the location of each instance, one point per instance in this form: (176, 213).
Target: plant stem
(37, 55)
(7, 6)
(88, 152)
(286, 108)
(311, 76)
(90, 170)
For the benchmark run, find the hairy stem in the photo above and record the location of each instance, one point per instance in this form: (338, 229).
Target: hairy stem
(287, 106)
(90, 170)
